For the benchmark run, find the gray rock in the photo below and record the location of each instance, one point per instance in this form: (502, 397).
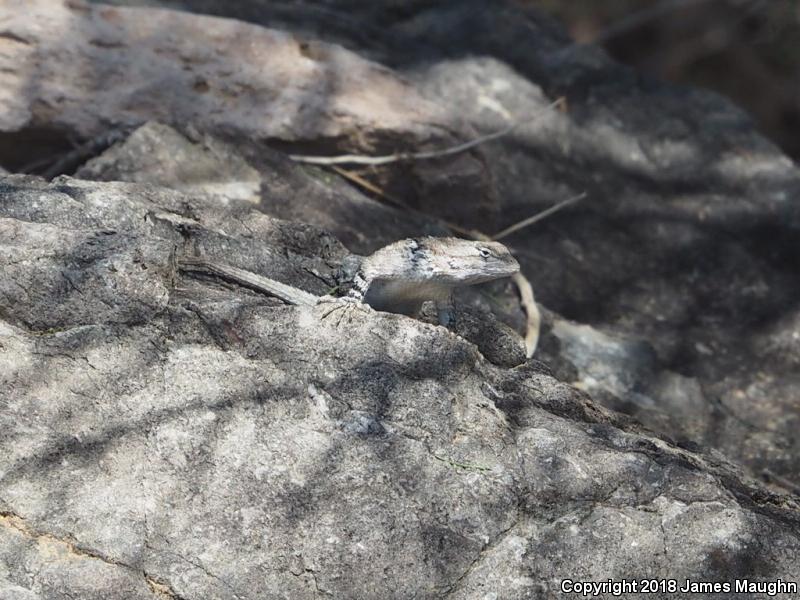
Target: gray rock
(159, 154)
(688, 237)
(255, 81)
(182, 439)
(10, 591)
(73, 71)
(625, 375)
(238, 170)
(166, 436)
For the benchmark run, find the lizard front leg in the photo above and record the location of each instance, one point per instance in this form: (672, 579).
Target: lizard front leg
(445, 311)
(346, 304)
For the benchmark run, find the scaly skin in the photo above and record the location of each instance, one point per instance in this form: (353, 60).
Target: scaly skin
(397, 278)
(401, 276)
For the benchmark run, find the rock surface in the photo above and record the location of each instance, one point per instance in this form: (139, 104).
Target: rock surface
(238, 169)
(71, 71)
(171, 436)
(688, 238)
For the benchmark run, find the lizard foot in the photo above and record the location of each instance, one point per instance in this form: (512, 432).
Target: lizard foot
(343, 308)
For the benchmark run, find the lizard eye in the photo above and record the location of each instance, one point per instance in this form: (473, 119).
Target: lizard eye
(485, 253)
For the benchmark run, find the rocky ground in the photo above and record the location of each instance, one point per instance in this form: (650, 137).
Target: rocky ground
(170, 436)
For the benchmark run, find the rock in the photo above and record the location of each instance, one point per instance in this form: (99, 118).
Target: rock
(158, 154)
(688, 236)
(175, 436)
(240, 170)
(183, 439)
(498, 342)
(15, 592)
(682, 243)
(218, 74)
(625, 375)
(72, 70)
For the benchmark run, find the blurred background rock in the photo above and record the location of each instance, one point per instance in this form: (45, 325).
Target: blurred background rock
(748, 50)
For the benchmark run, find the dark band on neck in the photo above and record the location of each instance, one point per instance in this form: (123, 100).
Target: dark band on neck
(415, 252)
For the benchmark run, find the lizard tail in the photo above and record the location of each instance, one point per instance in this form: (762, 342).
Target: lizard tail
(531, 310)
(287, 293)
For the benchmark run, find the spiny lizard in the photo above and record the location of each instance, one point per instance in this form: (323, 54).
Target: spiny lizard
(397, 278)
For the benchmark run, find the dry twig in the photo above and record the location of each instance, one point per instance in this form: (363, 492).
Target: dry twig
(538, 217)
(358, 159)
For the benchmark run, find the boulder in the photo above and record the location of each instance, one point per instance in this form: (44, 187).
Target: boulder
(174, 436)
(167, 436)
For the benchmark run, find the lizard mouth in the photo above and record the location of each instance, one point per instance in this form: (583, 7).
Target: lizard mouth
(492, 273)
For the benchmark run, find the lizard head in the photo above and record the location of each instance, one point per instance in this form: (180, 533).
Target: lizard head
(467, 262)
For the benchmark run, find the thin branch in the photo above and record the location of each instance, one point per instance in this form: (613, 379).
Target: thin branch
(781, 481)
(538, 216)
(397, 203)
(69, 161)
(402, 156)
(370, 187)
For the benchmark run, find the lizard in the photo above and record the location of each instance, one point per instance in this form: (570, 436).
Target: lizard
(397, 278)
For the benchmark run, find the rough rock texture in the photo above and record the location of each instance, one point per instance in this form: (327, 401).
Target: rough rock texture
(75, 66)
(210, 166)
(192, 162)
(688, 239)
(170, 437)
(70, 71)
(686, 243)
